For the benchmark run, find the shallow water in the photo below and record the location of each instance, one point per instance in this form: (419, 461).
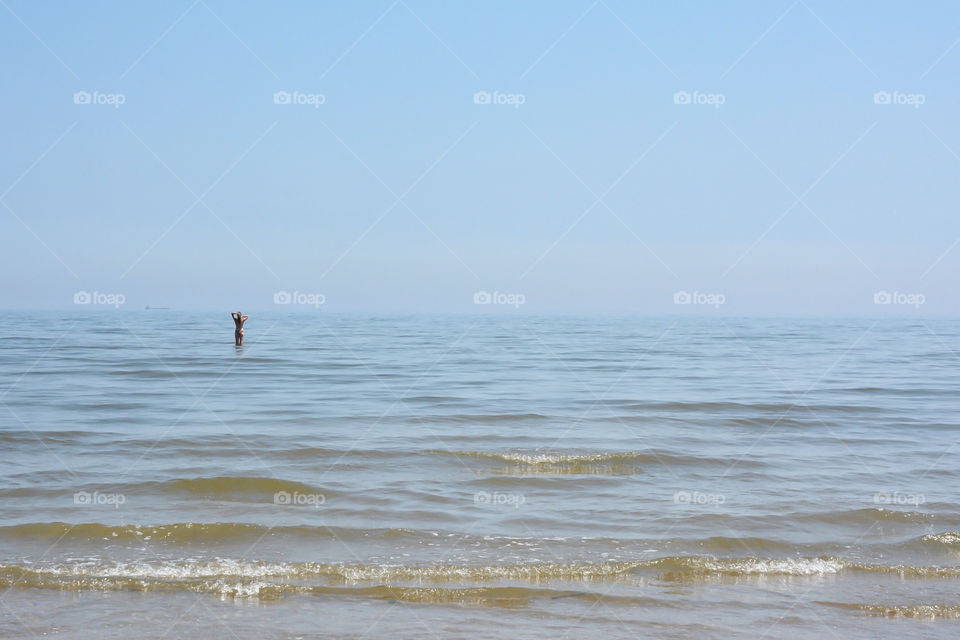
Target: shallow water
(472, 476)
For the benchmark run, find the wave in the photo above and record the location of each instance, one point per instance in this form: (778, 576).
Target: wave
(246, 569)
(226, 485)
(482, 417)
(683, 567)
(728, 544)
(922, 611)
(188, 533)
(418, 583)
(870, 515)
(26, 436)
(241, 579)
(949, 538)
(180, 532)
(610, 462)
(508, 597)
(261, 488)
(741, 407)
(712, 554)
(220, 487)
(245, 579)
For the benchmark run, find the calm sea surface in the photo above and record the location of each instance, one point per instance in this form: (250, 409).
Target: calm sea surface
(478, 476)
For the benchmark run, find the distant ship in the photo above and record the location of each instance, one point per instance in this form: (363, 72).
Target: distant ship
(148, 308)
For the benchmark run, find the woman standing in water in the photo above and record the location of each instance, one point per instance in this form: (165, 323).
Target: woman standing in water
(238, 320)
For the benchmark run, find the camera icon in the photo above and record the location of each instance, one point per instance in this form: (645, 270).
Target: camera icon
(82, 497)
(681, 97)
(281, 97)
(481, 97)
(282, 297)
(81, 297)
(681, 297)
(482, 297)
(81, 97)
(881, 498)
(282, 497)
(881, 97)
(481, 497)
(882, 297)
(681, 497)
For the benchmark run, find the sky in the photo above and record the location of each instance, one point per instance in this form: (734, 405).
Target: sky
(590, 156)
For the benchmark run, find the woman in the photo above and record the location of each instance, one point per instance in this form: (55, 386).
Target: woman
(238, 320)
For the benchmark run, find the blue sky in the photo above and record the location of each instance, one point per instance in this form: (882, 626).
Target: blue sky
(799, 193)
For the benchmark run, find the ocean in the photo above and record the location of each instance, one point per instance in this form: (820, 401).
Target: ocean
(478, 476)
